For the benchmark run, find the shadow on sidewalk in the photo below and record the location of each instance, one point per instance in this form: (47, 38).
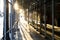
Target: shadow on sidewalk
(16, 35)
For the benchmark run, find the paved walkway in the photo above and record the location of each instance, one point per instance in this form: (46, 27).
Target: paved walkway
(24, 31)
(34, 35)
(29, 31)
(16, 33)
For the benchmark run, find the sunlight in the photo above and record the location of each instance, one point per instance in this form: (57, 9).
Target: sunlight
(16, 7)
(21, 12)
(21, 15)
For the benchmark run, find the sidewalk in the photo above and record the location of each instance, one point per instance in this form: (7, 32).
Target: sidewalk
(33, 33)
(29, 31)
(16, 34)
(24, 31)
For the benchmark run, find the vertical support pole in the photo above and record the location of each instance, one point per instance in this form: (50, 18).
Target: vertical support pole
(28, 15)
(28, 9)
(25, 14)
(40, 23)
(45, 16)
(37, 18)
(40, 16)
(53, 19)
(10, 17)
(4, 28)
(7, 20)
(32, 14)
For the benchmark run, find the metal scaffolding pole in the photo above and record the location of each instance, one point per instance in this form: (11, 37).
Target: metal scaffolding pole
(6, 21)
(53, 7)
(40, 16)
(28, 10)
(4, 28)
(45, 16)
(37, 18)
(28, 16)
(10, 17)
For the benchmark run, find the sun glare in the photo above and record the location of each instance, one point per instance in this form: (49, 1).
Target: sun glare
(16, 7)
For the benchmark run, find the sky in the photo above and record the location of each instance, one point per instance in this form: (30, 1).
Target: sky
(1, 19)
(1, 5)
